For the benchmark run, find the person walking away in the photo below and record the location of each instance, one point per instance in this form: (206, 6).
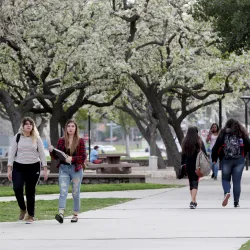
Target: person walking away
(70, 169)
(94, 156)
(231, 147)
(191, 146)
(212, 137)
(24, 167)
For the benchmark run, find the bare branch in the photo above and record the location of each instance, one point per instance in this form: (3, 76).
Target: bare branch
(192, 110)
(104, 104)
(150, 43)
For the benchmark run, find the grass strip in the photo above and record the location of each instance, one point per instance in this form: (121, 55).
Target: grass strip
(54, 189)
(46, 210)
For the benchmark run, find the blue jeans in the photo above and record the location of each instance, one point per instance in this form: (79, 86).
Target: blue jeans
(214, 167)
(67, 174)
(232, 168)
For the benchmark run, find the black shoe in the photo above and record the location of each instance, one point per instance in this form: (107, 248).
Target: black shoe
(195, 204)
(192, 205)
(59, 218)
(215, 178)
(74, 218)
(212, 175)
(236, 204)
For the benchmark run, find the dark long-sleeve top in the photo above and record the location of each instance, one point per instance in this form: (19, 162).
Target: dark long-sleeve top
(218, 152)
(79, 156)
(191, 160)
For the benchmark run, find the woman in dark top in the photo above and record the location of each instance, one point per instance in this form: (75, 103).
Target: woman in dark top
(231, 147)
(70, 169)
(191, 145)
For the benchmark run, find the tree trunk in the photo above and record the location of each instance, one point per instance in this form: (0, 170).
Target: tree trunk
(151, 92)
(171, 147)
(178, 132)
(146, 135)
(42, 126)
(54, 136)
(15, 114)
(164, 130)
(54, 130)
(16, 119)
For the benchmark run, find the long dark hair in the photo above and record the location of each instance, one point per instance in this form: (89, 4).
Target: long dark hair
(218, 129)
(191, 142)
(235, 127)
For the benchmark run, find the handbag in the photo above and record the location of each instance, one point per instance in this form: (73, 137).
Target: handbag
(203, 166)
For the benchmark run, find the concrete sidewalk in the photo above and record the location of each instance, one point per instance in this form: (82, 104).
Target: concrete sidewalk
(136, 194)
(158, 221)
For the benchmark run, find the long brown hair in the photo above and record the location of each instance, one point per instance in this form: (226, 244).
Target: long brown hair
(76, 137)
(191, 142)
(235, 127)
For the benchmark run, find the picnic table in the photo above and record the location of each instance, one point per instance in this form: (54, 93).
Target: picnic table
(112, 164)
(111, 158)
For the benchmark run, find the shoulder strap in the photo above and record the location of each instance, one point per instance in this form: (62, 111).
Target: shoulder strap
(18, 138)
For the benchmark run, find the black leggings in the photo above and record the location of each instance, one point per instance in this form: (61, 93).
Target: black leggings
(28, 175)
(192, 176)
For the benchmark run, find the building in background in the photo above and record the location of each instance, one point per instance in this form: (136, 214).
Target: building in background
(6, 135)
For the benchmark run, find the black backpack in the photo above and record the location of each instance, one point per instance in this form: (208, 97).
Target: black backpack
(232, 145)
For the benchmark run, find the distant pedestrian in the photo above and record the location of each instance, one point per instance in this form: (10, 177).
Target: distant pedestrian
(25, 155)
(231, 147)
(94, 156)
(191, 145)
(70, 169)
(212, 137)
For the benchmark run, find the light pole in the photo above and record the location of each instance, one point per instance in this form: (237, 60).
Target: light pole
(220, 113)
(89, 127)
(111, 132)
(246, 100)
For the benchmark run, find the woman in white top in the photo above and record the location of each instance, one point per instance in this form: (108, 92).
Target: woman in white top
(24, 166)
(212, 137)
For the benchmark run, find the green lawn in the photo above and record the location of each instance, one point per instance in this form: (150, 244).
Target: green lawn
(46, 210)
(120, 148)
(246, 246)
(54, 189)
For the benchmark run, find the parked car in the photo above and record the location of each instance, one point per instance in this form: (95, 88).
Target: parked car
(108, 148)
(104, 148)
(163, 148)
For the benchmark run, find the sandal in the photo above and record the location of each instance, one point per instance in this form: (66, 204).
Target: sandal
(59, 218)
(74, 218)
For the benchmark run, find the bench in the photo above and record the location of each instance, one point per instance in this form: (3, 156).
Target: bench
(3, 164)
(119, 168)
(88, 178)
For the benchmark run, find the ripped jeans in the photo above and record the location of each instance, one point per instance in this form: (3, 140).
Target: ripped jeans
(67, 174)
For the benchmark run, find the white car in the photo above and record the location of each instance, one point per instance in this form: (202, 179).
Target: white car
(108, 148)
(104, 148)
